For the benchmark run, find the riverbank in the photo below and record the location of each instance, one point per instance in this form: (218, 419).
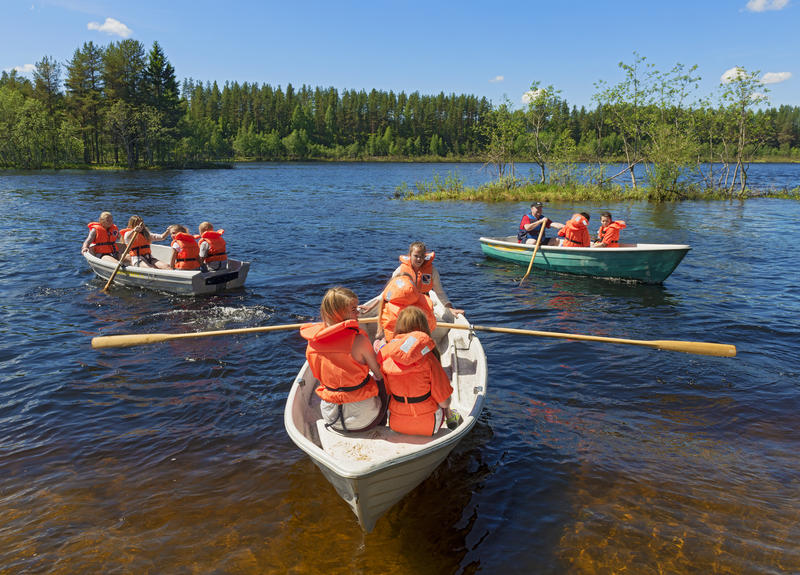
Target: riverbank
(229, 163)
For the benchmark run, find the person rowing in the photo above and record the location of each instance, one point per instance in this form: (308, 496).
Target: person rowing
(530, 226)
(140, 252)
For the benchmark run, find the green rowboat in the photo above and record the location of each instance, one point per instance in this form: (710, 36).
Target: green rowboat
(645, 263)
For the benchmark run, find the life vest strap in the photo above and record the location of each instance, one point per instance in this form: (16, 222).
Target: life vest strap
(351, 387)
(418, 399)
(339, 417)
(187, 260)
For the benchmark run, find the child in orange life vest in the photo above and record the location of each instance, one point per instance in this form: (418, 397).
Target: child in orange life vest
(418, 388)
(575, 233)
(102, 238)
(400, 292)
(212, 246)
(186, 252)
(139, 253)
(419, 263)
(340, 357)
(608, 234)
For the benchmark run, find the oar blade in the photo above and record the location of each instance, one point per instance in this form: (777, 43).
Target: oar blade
(129, 340)
(698, 347)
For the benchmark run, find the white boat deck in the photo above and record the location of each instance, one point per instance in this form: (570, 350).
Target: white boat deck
(372, 446)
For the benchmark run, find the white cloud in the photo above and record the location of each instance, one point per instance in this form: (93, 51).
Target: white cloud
(497, 79)
(24, 69)
(111, 27)
(531, 95)
(764, 5)
(731, 75)
(775, 77)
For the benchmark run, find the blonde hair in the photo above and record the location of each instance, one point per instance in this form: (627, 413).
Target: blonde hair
(336, 304)
(415, 245)
(205, 227)
(177, 228)
(134, 221)
(104, 216)
(410, 319)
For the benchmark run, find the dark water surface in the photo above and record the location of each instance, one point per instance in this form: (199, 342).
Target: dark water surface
(589, 458)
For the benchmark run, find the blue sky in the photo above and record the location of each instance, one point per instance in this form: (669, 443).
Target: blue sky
(488, 48)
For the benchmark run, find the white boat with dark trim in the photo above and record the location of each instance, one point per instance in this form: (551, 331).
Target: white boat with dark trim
(373, 470)
(182, 282)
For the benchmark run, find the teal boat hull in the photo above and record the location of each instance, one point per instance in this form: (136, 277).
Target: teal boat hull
(645, 263)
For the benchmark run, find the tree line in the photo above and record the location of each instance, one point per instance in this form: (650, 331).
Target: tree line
(120, 105)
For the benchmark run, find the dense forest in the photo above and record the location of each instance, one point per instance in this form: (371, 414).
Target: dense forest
(120, 105)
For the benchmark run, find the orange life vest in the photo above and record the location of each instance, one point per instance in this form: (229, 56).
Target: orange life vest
(329, 354)
(423, 276)
(609, 234)
(188, 257)
(105, 240)
(140, 246)
(216, 246)
(415, 382)
(401, 293)
(576, 232)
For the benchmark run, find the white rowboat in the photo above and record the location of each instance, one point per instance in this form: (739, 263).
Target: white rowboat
(373, 470)
(182, 282)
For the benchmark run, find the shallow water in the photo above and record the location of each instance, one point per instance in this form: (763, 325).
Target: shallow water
(588, 458)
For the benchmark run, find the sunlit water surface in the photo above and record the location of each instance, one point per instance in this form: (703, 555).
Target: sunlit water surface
(588, 458)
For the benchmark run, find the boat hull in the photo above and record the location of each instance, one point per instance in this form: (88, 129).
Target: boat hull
(645, 263)
(373, 470)
(180, 282)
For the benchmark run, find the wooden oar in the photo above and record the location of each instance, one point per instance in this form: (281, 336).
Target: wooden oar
(133, 339)
(536, 249)
(122, 257)
(698, 347)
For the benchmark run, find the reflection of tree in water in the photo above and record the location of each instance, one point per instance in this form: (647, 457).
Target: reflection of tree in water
(426, 532)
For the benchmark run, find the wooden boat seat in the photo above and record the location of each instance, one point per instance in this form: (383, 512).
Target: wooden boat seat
(375, 444)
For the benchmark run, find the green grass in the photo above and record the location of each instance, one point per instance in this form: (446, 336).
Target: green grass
(518, 190)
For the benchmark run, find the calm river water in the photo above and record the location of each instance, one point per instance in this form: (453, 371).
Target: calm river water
(588, 458)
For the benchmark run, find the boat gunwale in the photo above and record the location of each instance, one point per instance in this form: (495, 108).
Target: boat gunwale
(177, 274)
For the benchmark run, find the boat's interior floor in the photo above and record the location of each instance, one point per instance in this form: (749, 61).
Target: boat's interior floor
(375, 444)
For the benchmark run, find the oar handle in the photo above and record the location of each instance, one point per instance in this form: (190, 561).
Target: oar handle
(130, 340)
(698, 347)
